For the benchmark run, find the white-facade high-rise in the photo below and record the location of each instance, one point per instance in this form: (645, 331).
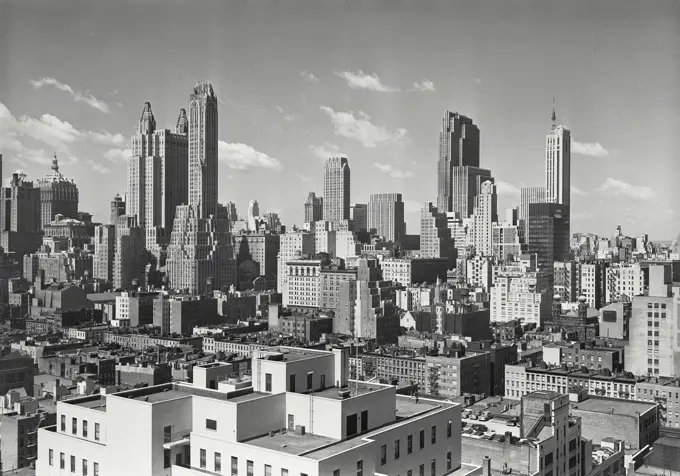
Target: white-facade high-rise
(558, 164)
(336, 190)
(200, 253)
(485, 214)
(386, 216)
(253, 215)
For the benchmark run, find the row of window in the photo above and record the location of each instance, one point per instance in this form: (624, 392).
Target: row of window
(74, 427)
(72, 467)
(409, 443)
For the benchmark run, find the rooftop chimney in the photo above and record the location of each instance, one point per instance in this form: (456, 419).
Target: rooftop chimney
(486, 466)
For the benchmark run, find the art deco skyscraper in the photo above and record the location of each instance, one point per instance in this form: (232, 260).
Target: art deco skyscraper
(253, 215)
(435, 235)
(58, 196)
(386, 216)
(336, 190)
(313, 208)
(558, 164)
(203, 126)
(157, 175)
(200, 253)
(459, 177)
(483, 218)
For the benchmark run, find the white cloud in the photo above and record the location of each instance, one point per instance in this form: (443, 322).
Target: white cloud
(311, 77)
(507, 189)
(107, 138)
(117, 155)
(424, 86)
(393, 172)
(241, 156)
(359, 127)
(77, 96)
(619, 187)
(48, 129)
(97, 167)
(591, 149)
(477, 80)
(326, 150)
(577, 191)
(280, 109)
(361, 80)
(305, 178)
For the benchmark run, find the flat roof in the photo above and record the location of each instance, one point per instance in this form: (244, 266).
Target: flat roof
(163, 396)
(619, 406)
(92, 403)
(291, 354)
(360, 389)
(290, 442)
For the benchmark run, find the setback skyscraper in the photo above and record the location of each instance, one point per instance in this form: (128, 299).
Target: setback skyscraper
(483, 219)
(313, 208)
(459, 177)
(528, 195)
(558, 164)
(58, 196)
(336, 190)
(386, 216)
(200, 253)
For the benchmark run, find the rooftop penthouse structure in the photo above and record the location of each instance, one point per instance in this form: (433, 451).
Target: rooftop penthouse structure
(299, 415)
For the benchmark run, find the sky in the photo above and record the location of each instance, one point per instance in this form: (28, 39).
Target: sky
(299, 81)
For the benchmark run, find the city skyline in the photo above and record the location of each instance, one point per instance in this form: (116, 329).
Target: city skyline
(380, 106)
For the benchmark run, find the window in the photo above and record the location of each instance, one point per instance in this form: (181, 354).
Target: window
(422, 470)
(409, 444)
(249, 468)
(74, 426)
(291, 383)
(210, 424)
(360, 468)
(202, 455)
(448, 460)
(310, 378)
(166, 459)
(267, 382)
(218, 462)
(397, 445)
(434, 434)
(62, 461)
(422, 439)
(449, 426)
(234, 466)
(84, 428)
(51, 457)
(351, 424)
(267, 470)
(383, 454)
(409, 472)
(433, 467)
(84, 467)
(364, 420)
(336, 472)
(96, 431)
(63, 423)
(73, 464)
(95, 469)
(284, 472)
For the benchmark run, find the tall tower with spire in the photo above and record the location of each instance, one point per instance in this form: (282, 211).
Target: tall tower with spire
(58, 195)
(557, 163)
(200, 256)
(157, 175)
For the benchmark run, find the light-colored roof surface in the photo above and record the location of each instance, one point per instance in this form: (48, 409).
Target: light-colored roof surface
(290, 442)
(605, 405)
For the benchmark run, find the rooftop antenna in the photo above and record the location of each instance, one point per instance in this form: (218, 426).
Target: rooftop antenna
(553, 117)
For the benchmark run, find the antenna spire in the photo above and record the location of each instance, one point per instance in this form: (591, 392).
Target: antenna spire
(553, 117)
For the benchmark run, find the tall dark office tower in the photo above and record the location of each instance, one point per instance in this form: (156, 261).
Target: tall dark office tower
(336, 190)
(386, 216)
(203, 122)
(435, 235)
(58, 196)
(548, 235)
(358, 215)
(20, 224)
(313, 208)
(459, 177)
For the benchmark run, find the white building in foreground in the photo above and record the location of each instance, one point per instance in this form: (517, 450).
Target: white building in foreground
(300, 417)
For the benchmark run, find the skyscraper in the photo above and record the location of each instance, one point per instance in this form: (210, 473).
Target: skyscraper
(203, 123)
(313, 208)
(528, 195)
(231, 212)
(20, 221)
(386, 216)
(435, 235)
(548, 235)
(157, 175)
(358, 215)
(117, 209)
(458, 149)
(558, 163)
(104, 252)
(58, 196)
(253, 215)
(129, 261)
(200, 253)
(484, 216)
(336, 190)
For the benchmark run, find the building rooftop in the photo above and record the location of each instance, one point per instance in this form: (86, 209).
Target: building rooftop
(163, 396)
(102, 297)
(291, 442)
(543, 394)
(292, 354)
(97, 402)
(613, 405)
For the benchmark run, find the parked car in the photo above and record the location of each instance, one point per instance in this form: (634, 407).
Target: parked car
(485, 416)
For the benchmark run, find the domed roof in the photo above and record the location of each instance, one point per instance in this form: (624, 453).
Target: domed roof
(557, 297)
(582, 298)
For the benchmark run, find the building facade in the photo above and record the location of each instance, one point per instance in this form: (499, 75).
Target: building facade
(58, 196)
(386, 216)
(336, 190)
